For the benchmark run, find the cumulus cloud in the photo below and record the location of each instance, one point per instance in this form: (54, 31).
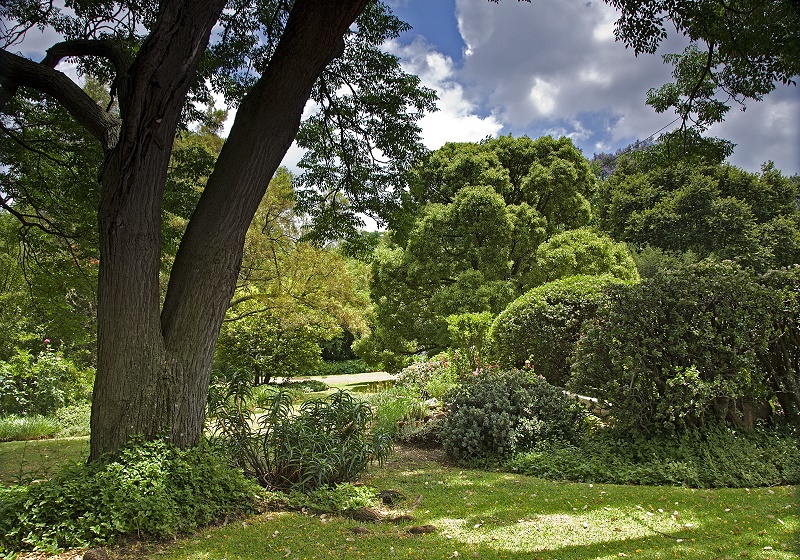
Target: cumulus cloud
(554, 67)
(457, 118)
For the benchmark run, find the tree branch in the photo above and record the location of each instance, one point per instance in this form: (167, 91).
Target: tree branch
(17, 71)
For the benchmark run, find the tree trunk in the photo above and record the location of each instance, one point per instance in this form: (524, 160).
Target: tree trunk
(134, 385)
(153, 372)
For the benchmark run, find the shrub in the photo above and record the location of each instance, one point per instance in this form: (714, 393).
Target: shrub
(716, 456)
(498, 414)
(151, 489)
(582, 252)
(543, 325)
(431, 378)
(690, 345)
(74, 420)
(345, 367)
(323, 442)
(42, 383)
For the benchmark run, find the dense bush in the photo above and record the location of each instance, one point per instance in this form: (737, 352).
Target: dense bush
(323, 442)
(582, 251)
(542, 326)
(709, 340)
(40, 384)
(345, 367)
(151, 490)
(716, 456)
(497, 414)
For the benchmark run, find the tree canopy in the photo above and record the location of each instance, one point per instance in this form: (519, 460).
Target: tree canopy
(473, 247)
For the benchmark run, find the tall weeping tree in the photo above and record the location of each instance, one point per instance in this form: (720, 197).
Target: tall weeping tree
(269, 57)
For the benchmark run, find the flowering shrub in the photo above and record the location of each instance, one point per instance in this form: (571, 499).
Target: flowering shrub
(42, 383)
(432, 378)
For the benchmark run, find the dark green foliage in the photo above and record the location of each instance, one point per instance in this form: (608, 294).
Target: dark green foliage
(542, 326)
(692, 344)
(713, 457)
(345, 367)
(710, 209)
(151, 490)
(323, 442)
(42, 384)
(497, 414)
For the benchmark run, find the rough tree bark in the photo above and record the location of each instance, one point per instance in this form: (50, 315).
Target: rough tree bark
(154, 362)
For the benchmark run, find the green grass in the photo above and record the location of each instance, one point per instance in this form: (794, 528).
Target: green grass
(488, 515)
(24, 461)
(498, 515)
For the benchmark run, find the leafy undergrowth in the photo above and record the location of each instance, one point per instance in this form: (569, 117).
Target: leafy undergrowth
(479, 514)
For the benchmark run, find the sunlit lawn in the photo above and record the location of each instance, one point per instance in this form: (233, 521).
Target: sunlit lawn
(24, 461)
(480, 514)
(497, 515)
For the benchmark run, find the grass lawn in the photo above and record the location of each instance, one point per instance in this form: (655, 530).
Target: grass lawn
(24, 461)
(479, 514)
(490, 515)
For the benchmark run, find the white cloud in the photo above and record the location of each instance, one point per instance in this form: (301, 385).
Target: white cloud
(554, 67)
(457, 119)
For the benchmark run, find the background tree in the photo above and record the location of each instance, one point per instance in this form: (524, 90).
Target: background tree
(738, 51)
(291, 295)
(708, 209)
(472, 248)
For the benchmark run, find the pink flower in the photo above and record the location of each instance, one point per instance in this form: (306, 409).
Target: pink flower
(47, 341)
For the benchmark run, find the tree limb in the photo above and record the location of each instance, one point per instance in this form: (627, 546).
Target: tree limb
(17, 71)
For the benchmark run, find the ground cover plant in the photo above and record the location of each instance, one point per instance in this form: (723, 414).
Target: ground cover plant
(150, 490)
(717, 456)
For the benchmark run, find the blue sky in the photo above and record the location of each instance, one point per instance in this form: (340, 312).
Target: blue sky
(553, 67)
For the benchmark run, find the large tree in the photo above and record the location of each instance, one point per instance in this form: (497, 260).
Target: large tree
(154, 356)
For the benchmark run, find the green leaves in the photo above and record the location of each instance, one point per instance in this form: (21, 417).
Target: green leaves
(692, 345)
(151, 489)
(739, 50)
(325, 441)
(467, 240)
(497, 414)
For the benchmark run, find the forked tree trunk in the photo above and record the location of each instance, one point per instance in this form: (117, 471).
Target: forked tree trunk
(154, 364)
